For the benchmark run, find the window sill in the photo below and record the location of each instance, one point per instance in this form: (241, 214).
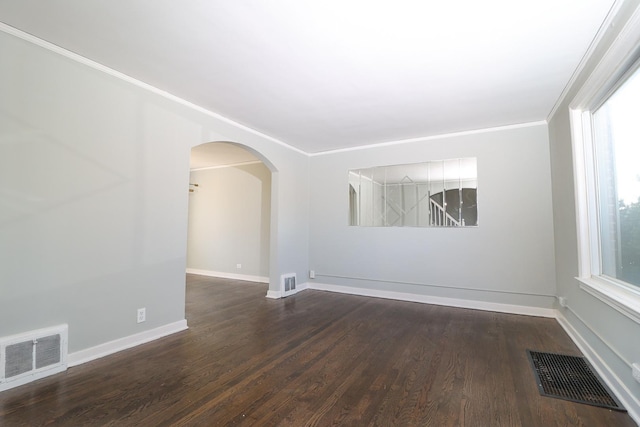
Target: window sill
(624, 299)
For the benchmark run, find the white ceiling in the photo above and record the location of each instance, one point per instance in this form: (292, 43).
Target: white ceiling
(329, 74)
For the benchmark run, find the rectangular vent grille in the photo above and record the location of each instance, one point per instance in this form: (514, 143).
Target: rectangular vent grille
(33, 355)
(19, 359)
(288, 284)
(48, 351)
(570, 378)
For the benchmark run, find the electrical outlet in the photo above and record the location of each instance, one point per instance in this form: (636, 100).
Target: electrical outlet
(635, 371)
(312, 274)
(142, 315)
(238, 266)
(562, 301)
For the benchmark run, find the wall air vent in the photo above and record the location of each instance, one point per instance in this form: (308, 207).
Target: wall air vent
(32, 355)
(288, 284)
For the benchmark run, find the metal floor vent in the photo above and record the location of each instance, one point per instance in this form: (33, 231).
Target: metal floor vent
(32, 355)
(288, 284)
(571, 378)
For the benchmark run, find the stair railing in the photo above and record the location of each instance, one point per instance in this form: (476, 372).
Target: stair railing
(440, 217)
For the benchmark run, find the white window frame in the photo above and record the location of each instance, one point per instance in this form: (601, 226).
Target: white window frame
(618, 62)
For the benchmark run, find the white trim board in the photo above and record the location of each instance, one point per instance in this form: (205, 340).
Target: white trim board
(609, 21)
(145, 86)
(430, 138)
(223, 275)
(110, 71)
(111, 347)
(274, 294)
(280, 294)
(230, 165)
(627, 398)
(31, 378)
(427, 299)
(299, 288)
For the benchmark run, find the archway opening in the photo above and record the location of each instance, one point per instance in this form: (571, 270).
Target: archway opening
(230, 213)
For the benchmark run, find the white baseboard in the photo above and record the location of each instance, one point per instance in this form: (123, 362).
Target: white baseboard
(427, 299)
(279, 294)
(299, 288)
(626, 397)
(223, 275)
(31, 378)
(274, 294)
(89, 354)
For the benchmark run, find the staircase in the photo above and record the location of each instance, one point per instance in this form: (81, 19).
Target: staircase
(440, 217)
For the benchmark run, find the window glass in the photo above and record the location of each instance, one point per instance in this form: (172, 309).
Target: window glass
(616, 133)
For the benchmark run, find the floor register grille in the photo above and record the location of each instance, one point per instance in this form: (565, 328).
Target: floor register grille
(570, 378)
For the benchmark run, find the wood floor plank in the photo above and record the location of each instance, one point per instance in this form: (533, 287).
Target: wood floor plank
(314, 359)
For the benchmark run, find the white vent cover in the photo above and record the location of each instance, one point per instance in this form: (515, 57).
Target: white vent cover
(32, 355)
(288, 284)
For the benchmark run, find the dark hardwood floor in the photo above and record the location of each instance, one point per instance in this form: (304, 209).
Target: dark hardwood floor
(315, 359)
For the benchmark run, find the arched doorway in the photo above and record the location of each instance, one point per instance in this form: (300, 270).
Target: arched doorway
(230, 212)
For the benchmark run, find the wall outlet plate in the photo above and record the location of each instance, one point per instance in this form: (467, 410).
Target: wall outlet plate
(142, 315)
(312, 274)
(238, 266)
(562, 301)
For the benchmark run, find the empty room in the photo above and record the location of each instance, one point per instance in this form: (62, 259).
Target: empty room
(292, 213)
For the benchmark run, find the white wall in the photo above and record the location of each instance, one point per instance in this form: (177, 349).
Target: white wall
(610, 339)
(229, 221)
(94, 172)
(508, 259)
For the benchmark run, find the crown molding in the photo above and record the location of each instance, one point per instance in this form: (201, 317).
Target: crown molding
(230, 165)
(608, 22)
(431, 138)
(138, 83)
(145, 86)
